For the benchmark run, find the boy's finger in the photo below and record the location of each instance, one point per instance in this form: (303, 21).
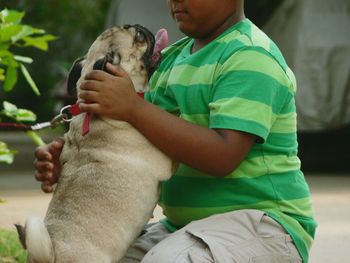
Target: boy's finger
(39, 176)
(51, 178)
(90, 107)
(90, 95)
(47, 187)
(45, 176)
(98, 75)
(56, 147)
(116, 70)
(58, 143)
(42, 153)
(89, 85)
(42, 166)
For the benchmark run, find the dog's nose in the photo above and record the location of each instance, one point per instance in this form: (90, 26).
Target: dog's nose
(100, 64)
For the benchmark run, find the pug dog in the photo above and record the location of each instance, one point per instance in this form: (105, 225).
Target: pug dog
(110, 179)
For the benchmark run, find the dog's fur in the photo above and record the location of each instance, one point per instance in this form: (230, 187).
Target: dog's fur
(109, 184)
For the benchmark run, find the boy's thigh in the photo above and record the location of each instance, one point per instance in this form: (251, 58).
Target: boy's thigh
(240, 236)
(153, 234)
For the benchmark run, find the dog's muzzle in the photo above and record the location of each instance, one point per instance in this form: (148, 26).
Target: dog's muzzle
(144, 35)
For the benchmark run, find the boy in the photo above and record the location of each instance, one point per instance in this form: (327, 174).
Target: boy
(222, 105)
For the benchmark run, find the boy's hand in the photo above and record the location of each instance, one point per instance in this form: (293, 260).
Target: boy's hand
(109, 94)
(47, 164)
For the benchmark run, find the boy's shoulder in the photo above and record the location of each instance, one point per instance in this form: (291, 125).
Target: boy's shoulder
(245, 37)
(246, 34)
(252, 37)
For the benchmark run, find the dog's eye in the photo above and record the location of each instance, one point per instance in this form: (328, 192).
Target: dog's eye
(140, 37)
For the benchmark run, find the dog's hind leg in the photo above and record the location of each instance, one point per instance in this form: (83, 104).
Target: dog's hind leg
(35, 238)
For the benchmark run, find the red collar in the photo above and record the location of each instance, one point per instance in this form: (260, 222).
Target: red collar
(75, 110)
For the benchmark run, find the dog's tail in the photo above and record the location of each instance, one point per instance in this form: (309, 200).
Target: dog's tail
(36, 240)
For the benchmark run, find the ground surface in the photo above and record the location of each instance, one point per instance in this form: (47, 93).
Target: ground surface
(331, 197)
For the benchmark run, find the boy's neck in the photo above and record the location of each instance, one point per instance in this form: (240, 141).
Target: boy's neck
(232, 20)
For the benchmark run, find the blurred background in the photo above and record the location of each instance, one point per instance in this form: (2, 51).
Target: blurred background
(314, 36)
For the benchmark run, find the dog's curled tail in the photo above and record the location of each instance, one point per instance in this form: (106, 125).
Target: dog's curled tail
(36, 240)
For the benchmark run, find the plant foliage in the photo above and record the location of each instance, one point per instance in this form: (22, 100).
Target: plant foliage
(10, 248)
(15, 34)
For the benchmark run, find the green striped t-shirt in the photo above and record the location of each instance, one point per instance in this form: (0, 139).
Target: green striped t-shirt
(239, 81)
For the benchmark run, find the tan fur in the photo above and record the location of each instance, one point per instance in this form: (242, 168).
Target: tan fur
(109, 183)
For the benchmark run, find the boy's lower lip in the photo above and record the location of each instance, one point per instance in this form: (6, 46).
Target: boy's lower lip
(179, 15)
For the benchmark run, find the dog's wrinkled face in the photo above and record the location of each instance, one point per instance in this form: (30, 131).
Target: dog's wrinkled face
(130, 46)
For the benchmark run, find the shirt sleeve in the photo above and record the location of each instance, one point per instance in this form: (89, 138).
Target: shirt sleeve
(249, 91)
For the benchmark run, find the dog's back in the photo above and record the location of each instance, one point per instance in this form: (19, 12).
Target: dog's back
(104, 188)
(108, 187)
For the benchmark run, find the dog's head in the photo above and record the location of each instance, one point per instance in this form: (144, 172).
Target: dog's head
(130, 46)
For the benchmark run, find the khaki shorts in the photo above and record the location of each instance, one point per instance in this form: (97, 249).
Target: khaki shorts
(239, 236)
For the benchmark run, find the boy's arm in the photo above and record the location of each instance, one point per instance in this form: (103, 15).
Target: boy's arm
(216, 152)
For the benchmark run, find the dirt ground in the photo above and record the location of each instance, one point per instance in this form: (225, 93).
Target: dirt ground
(331, 197)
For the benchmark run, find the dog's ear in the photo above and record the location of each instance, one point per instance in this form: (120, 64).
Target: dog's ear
(100, 64)
(74, 75)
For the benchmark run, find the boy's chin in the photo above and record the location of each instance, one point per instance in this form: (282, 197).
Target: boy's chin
(188, 32)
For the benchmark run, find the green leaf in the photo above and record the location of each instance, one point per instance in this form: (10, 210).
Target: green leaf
(4, 46)
(10, 78)
(5, 53)
(38, 31)
(10, 109)
(30, 80)
(23, 59)
(8, 106)
(25, 115)
(11, 16)
(11, 250)
(9, 31)
(25, 31)
(6, 155)
(18, 114)
(39, 42)
(2, 75)
(8, 59)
